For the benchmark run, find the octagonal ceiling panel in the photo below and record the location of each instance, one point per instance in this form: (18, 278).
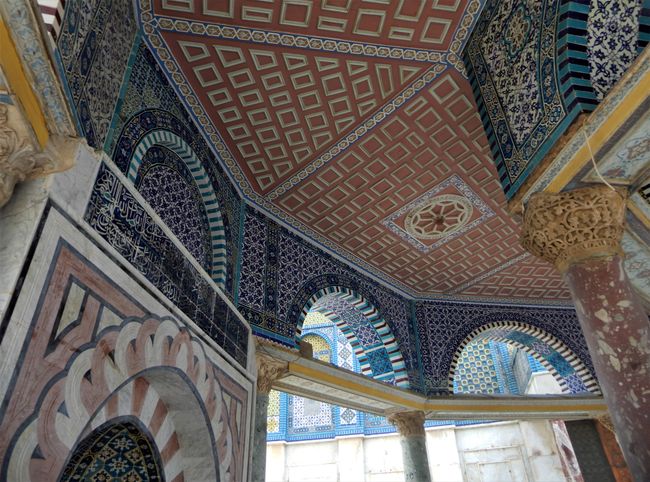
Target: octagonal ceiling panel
(340, 118)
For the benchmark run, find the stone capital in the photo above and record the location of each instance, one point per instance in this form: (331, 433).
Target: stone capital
(408, 423)
(21, 159)
(573, 226)
(269, 369)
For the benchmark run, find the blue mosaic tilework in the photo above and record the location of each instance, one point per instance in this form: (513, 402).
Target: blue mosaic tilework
(118, 218)
(287, 417)
(167, 185)
(443, 326)
(94, 46)
(148, 103)
(280, 272)
(535, 66)
(502, 355)
(379, 361)
(476, 371)
(116, 451)
(612, 36)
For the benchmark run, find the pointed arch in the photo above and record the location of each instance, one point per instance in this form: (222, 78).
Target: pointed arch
(366, 354)
(565, 366)
(176, 144)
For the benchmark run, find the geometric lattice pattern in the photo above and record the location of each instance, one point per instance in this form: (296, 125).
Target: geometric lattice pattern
(273, 412)
(119, 451)
(555, 356)
(475, 372)
(280, 108)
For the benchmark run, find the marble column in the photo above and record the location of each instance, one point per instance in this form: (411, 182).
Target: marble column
(268, 370)
(414, 445)
(579, 232)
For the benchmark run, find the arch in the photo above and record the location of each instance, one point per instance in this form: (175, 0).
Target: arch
(176, 144)
(151, 369)
(565, 366)
(371, 314)
(119, 448)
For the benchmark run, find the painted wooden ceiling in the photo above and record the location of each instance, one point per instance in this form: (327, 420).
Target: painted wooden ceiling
(352, 121)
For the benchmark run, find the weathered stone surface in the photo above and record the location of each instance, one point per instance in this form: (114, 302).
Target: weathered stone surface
(571, 226)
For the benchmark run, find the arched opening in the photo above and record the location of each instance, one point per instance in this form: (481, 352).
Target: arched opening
(155, 159)
(562, 363)
(120, 449)
(362, 325)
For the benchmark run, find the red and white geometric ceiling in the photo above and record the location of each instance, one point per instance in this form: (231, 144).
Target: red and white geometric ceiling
(353, 122)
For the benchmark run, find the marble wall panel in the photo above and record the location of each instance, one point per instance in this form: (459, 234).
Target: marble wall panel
(86, 343)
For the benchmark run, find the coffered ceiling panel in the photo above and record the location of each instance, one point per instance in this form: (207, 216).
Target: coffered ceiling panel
(422, 24)
(353, 122)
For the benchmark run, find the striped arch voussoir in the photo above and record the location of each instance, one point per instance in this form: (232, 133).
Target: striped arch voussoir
(370, 312)
(177, 145)
(500, 331)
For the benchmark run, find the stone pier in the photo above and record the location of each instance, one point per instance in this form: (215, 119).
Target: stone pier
(268, 370)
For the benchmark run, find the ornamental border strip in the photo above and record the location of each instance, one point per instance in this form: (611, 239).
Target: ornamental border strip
(469, 17)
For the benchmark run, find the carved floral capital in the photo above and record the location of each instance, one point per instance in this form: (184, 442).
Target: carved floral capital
(269, 369)
(572, 226)
(20, 160)
(408, 423)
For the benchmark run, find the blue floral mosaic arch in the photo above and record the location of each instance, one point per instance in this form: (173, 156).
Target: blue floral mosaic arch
(369, 334)
(216, 264)
(118, 450)
(565, 366)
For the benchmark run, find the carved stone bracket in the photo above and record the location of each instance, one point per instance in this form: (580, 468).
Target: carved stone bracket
(571, 226)
(21, 161)
(408, 423)
(269, 369)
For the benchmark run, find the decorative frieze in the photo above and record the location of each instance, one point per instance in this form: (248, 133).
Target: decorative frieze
(269, 369)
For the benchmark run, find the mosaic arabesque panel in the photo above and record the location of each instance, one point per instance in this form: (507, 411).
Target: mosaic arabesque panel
(149, 103)
(280, 272)
(94, 45)
(534, 66)
(442, 326)
(511, 64)
(116, 215)
(166, 183)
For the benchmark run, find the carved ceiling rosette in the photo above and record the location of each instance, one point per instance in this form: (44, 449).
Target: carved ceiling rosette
(571, 226)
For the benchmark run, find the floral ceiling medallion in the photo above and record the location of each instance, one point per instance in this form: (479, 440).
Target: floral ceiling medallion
(440, 217)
